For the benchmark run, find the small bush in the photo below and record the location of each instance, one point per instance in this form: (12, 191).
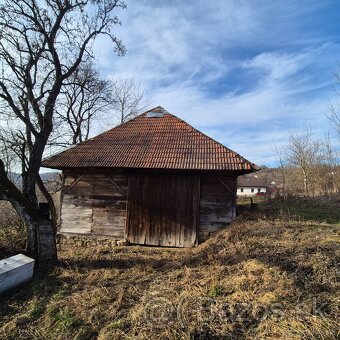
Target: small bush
(12, 231)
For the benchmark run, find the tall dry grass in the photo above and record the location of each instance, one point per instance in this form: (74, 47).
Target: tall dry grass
(260, 278)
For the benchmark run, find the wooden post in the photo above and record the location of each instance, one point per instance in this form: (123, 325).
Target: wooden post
(46, 243)
(47, 248)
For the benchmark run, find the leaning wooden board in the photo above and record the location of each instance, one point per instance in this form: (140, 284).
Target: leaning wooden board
(14, 271)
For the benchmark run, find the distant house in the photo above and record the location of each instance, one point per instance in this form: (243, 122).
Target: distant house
(153, 180)
(250, 186)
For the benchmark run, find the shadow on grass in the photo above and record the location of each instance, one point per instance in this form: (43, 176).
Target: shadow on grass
(43, 286)
(114, 263)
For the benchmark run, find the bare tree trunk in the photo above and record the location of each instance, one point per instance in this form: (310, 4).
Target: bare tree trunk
(50, 201)
(43, 43)
(25, 209)
(305, 182)
(31, 228)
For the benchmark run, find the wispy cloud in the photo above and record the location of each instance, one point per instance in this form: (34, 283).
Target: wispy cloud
(244, 74)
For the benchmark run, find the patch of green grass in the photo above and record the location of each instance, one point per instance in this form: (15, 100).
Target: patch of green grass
(65, 320)
(215, 291)
(245, 201)
(317, 209)
(37, 310)
(60, 294)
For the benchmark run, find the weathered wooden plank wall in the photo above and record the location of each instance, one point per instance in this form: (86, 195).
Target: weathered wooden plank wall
(167, 210)
(163, 209)
(94, 204)
(217, 203)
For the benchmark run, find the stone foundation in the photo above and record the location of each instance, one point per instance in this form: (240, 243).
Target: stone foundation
(83, 241)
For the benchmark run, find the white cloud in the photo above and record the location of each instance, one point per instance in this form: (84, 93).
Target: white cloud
(278, 74)
(249, 124)
(276, 65)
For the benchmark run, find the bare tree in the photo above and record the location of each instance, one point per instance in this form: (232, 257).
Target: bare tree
(11, 148)
(308, 165)
(304, 153)
(283, 168)
(128, 99)
(328, 170)
(334, 116)
(85, 97)
(42, 45)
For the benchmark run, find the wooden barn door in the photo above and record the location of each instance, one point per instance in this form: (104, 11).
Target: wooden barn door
(163, 210)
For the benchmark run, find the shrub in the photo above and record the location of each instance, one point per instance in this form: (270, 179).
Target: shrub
(12, 231)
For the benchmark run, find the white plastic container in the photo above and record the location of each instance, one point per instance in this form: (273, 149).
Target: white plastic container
(14, 271)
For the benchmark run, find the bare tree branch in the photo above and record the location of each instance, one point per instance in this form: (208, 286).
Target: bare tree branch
(128, 99)
(42, 45)
(85, 97)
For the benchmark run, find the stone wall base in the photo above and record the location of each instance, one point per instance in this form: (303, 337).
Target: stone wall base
(89, 241)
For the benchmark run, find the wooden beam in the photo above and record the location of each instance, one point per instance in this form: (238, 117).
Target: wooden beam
(76, 180)
(117, 186)
(234, 196)
(226, 186)
(61, 200)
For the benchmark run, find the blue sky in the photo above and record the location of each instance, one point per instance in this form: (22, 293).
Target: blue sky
(245, 72)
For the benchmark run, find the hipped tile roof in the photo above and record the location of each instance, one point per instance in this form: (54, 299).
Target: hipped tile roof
(151, 143)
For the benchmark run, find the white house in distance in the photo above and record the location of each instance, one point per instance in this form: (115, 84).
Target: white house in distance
(250, 186)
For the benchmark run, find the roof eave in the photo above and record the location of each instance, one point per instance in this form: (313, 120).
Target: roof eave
(237, 172)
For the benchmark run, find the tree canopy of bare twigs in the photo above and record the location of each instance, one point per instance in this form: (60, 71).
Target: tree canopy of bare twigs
(334, 116)
(85, 97)
(307, 165)
(128, 99)
(42, 45)
(282, 166)
(304, 153)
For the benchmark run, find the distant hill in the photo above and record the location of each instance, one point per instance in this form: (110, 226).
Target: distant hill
(51, 179)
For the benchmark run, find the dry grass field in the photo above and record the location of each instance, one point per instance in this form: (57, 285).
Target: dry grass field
(270, 275)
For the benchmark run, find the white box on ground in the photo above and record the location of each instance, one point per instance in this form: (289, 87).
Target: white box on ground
(14, 271)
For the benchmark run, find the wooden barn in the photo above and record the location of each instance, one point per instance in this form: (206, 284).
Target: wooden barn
(154, 180)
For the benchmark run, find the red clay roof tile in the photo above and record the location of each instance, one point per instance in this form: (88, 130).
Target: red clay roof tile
(158, 143)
